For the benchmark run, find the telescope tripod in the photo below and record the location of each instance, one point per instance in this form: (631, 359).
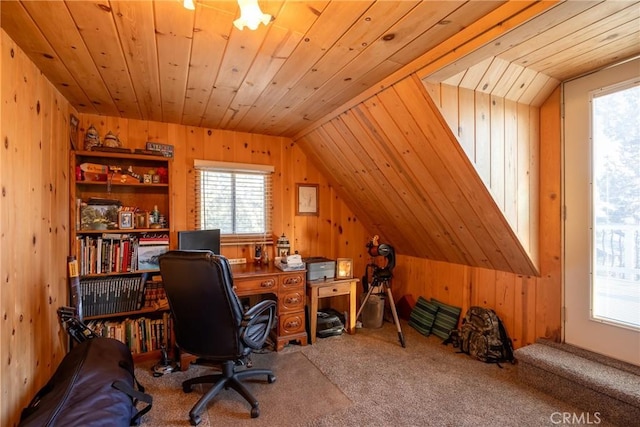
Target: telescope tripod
(385, 284)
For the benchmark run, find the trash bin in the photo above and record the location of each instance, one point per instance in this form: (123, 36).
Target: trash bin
(373, 312)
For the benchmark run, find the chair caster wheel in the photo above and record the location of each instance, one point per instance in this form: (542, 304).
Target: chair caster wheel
(195, 420)
(271, 379)
(255, 412)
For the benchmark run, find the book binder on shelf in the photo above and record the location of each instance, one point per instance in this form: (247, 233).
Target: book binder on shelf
(112, 295)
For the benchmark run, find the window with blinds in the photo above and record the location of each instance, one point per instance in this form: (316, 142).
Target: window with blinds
(236, 198)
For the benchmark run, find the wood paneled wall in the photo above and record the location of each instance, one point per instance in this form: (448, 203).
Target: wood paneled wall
(336, 232)
(34, 216)
(34, 221)
(530, 306)
(500, 138)
(396, 161)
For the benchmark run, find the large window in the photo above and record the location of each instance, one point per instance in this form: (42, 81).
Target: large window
(616, 204)
(600, 292)
(236, 198)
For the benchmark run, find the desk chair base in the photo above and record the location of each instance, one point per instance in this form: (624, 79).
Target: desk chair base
(227, 378)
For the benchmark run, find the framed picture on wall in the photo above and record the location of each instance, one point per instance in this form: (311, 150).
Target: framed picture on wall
(307, 199)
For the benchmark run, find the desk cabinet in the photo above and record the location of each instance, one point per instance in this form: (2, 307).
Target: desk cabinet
(289, 290)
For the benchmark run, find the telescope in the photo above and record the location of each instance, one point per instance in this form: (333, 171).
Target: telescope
(381, 278)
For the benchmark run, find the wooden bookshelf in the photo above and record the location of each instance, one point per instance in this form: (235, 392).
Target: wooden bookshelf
(108, 245)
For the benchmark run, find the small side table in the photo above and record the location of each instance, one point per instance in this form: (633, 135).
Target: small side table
(317, 289)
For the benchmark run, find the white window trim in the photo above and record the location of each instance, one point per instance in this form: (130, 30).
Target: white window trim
(211, 165)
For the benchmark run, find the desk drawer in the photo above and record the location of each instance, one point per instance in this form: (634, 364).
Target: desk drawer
(291, 323)
(330, 290)
(291, 281)
(260, 285)
(291, 300)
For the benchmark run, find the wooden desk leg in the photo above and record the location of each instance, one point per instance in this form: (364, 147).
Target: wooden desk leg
(352, 308)
(185, 359)
(313, 314)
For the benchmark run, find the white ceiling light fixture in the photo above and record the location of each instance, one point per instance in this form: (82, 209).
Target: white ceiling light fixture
(188, 4)
(250, 15)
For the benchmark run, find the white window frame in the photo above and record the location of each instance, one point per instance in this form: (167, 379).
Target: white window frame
(631, 229)
(265, 236)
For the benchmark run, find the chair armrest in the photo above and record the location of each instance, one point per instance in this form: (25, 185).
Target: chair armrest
(257, 323)
(257, 310)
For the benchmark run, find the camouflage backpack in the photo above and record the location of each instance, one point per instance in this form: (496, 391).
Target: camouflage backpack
(483, 336)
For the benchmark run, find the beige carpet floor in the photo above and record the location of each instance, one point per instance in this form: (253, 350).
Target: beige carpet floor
(368, 379)
(295, 393)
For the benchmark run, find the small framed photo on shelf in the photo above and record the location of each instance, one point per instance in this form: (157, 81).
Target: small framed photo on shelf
(307, 199)
(142, 220)
(125, 220)
(344, 268)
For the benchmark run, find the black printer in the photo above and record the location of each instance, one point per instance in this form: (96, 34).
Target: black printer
(330, 323)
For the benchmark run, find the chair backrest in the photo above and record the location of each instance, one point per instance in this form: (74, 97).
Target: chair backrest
(206, 311)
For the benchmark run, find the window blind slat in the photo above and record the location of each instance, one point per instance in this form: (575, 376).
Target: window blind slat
(238, 202)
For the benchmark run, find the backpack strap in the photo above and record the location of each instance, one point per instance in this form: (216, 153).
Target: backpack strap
(453, 338)
(507, 344)
(137, 395)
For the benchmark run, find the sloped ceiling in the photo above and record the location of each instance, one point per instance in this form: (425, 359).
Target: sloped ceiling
(329, 74)
(398, 164)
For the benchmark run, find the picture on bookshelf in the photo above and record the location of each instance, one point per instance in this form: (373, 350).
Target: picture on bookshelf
(125, 220)
(142, 220)
(98, 217)
(148, 256)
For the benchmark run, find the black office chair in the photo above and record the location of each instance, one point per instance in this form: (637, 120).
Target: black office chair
(211, 324)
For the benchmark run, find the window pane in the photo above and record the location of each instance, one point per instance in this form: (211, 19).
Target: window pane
(250, 204)
(236, 203)
(616, 207)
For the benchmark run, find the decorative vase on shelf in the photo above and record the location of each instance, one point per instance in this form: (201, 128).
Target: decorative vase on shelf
(111, 140)
(91, 138)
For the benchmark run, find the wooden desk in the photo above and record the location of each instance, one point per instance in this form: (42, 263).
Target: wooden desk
(289, 289)
(327, 288)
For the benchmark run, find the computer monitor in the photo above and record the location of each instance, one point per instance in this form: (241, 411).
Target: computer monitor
(199, 240)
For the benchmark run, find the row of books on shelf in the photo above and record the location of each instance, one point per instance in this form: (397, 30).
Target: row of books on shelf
(102, 296)
(154, 294)
(140, 335)
(112, 295)
(119, 253)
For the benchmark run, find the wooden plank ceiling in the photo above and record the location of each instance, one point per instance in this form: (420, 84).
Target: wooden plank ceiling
(324, 73)
(156, 60)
